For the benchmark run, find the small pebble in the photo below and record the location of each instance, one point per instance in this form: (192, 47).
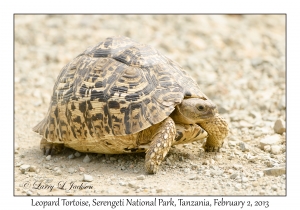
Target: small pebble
(86, 159)
(132, 185)
(168, 162)
(24, 168)
(216, 172)
(278, 171)
(231, 143)
(233, 176)
(257, 134)
(194, 177)
(112, 158)
(71, 170)
(262, 192)
(206, 162)
(48, 157)
(28, 193)
(231, 156)
(244, 179)
(274, 187)
(17, 146)
(245, 124)
(194, 167)
(159, 190)
(218, 157)
(279, 126)
(126, 191)
(87, 178)
(57, 172)
(256, 62)
(186, 170)
(233, 138)
(237, 166)
(141, 177)
(255, 114)
(270, 140)
(255, 183)
(111, 191)
(275, 149)
(267, 148)
(247, 138)
(18, 164)
(122, 183)
(251, 158)
(71, 156)
(32, 168)
(237, 187)
(260, 174)
(77, 154)
(69, 193)
(244, 147)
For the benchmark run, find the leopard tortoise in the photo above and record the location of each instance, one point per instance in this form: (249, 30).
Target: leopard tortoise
(121, 96)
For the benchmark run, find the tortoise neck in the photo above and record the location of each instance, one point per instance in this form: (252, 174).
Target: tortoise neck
(178, 117)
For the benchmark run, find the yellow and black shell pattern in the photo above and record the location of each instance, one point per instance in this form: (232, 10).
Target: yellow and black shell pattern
(115, 88)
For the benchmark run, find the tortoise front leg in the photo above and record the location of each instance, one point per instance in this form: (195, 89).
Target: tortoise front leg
(217, 129)
(50, 148)
(160, 145)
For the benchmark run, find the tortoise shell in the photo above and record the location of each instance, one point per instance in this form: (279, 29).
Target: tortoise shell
(117, 87)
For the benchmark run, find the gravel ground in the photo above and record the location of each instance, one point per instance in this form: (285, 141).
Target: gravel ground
(238, 61)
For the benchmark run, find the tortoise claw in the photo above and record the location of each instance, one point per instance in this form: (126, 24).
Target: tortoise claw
(211, 149)
(47, 151)
(50, 148)
(53, 151)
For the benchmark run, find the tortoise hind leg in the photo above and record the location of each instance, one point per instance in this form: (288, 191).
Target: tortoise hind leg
(50, 148)
(160, 145)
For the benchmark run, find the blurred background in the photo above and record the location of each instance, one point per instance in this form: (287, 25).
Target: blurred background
(237, 60)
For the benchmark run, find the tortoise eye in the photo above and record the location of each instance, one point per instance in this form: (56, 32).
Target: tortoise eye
(200, 107)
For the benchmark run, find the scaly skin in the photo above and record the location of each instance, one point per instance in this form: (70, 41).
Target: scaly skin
(217, 129)
(159, 147)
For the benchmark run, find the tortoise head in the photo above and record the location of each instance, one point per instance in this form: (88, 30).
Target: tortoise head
(194, 110)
